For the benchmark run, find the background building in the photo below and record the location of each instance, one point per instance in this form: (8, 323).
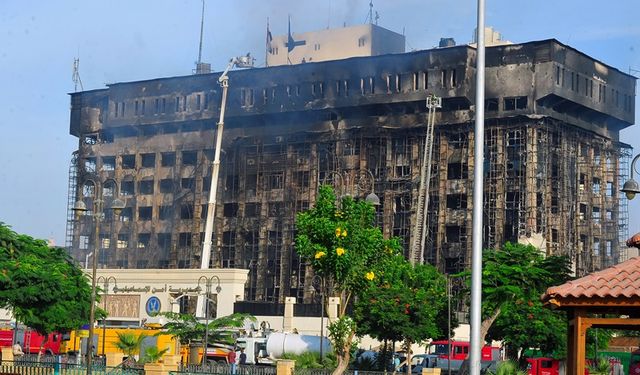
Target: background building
(553, 170)
(333, 44)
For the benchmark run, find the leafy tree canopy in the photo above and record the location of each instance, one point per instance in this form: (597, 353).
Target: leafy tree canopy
(341, 242)
(513, 279)
(403, 303)
(41, 285)
(187, 328)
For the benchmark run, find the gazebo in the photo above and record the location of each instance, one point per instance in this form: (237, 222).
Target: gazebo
(609, 298)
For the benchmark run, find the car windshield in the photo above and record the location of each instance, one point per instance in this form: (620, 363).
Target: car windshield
(438, 349)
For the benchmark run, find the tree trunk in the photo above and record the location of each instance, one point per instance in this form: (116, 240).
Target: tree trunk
(343, 355)
(407, 348)
(484, 328)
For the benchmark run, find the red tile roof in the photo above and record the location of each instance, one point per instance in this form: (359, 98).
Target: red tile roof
(619, 281)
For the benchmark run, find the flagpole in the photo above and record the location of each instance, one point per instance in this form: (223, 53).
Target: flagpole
(266, 48)
(289, 39)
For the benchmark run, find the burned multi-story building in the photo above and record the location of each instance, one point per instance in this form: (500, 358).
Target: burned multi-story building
(553, 159)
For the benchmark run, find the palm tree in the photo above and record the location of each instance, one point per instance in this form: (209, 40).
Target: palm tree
(129, 344)
(153, 354)
(188, 328)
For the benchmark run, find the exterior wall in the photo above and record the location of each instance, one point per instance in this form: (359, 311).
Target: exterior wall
(554, 165)
(130, 290)
(335, 44)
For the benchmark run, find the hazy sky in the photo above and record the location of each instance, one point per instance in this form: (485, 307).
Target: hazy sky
(129, 40)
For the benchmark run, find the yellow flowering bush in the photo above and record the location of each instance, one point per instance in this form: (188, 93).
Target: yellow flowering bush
(370, 275)
(340, 251)
(320, 254)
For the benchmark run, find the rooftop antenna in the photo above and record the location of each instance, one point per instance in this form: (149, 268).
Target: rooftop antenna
(370, 16)
(202, 68)
(201, 35)
(76, 75)
(377, 17)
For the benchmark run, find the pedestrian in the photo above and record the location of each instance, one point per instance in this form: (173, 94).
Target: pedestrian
(396, 363)
(17, 349)
(243, 357)
(232, 361)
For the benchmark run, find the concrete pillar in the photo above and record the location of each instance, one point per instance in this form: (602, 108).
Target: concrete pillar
(155, 369)
(285, 367)
(287, 322)
(332, 308)
(114, 359)
(7, 355)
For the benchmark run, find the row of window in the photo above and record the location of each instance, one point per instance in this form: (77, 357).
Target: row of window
(186, 211)
(167, 159)
(362, 41)
(392, 83)
(584, 85)
(182, 103)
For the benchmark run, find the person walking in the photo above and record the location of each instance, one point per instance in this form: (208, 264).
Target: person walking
(232, 361)
(243, 357)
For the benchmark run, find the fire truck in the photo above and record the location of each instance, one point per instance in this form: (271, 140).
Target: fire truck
(31, 341)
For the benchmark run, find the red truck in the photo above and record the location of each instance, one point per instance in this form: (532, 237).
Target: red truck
(440, 355)
(31, 341)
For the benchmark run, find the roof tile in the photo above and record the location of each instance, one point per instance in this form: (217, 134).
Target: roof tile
(621, 280)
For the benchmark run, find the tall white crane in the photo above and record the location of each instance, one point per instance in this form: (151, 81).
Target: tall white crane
(241, 62)
(420, 231)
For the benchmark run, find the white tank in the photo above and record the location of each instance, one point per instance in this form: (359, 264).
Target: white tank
(290, 343)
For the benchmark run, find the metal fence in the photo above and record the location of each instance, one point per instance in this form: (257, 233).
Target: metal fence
(48, 367)
(224, 369)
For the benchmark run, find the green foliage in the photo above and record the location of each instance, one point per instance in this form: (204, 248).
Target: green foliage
(341, 243)
(341, 333)
(602, 366)
(513, 279)
(41, 285)
(524, 324)
(187, 328)
(598, 337)
(153, 354)
(128, 343)
(403, 303)
(509, 368)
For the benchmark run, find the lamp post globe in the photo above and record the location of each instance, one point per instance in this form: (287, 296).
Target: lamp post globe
(631, 188)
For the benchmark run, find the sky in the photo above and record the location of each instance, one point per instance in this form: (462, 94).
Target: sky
(125, 40)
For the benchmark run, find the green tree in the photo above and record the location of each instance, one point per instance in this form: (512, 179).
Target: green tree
(342, 245)
(513, 274)
(187, 328)
(528, 324)
(403, 304)
(41, 285)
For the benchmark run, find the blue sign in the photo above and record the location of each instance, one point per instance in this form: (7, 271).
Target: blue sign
(153, 306)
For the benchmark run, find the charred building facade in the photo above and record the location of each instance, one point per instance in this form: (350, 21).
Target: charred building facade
(553, 161)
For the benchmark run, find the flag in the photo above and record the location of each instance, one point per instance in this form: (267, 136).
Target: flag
(290, 42)
(269, 38)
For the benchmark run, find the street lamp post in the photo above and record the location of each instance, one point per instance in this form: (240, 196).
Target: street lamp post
(631, 187)
(80, 208)
(105, 281)
(451, 282)
(362, 183)
(207, 286)
(318, 281)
